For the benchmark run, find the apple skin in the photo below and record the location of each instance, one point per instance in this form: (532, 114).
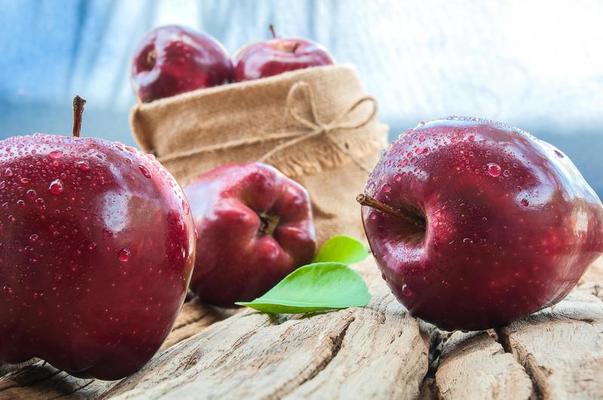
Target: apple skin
(97, 249)
(275, 56)
(238, 258)
(511, 225)
(174, 59)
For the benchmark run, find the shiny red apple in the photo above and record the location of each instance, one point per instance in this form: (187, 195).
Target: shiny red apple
(254, 227)
(475, 224)
(96, 252)
(273, 57)
(174, 59)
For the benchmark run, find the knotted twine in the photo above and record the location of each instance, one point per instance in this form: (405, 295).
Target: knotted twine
(314, 127)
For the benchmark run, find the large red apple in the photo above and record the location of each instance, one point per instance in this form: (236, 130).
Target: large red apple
(97, 248)
(272, 57)
(254, 226)
(174, 59)
(474, 223)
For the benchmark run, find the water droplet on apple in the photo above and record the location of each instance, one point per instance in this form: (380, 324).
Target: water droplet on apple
(406, 291)
(56, 187)
(8, 172)
(467, 241)
(7, 290)
(386, 188)
(144, 170)
(55, 155)
(494, 169)
(123, 255)
(525, 202)
(82, 165)
(398, 178)
(506, 173)
(11, 219)
(33, 238)
(20, 203)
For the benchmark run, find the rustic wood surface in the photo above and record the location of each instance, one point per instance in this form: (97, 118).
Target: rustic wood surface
(374, 352)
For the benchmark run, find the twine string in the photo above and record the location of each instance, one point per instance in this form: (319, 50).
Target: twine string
(314, 127)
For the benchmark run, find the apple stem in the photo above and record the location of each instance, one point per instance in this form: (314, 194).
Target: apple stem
(268, 223)
(273, 31)
(78, 110)
(368, 201)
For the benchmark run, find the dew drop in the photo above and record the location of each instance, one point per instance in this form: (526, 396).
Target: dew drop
(406, 291)
(82, 165)
(398, 178)
(123, 255)
(8, 172)
(7, 290)
(386, 188)
(25, 180)
(144, 171)
(506, 173)
(20, 203)
(33, 238)
(467, 241)
(494, 169)
(55, 155)
(525, 202)
(56, 187)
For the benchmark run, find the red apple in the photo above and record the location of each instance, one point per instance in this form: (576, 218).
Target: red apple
(97, 248)
(475, 224)
(272, 57)
(254, 227)
(174, 59)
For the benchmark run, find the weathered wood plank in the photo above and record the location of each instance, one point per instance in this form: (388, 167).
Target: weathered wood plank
(562, 347)
(373, 352)
(475, 366)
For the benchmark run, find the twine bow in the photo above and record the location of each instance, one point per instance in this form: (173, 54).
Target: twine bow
(314, 127)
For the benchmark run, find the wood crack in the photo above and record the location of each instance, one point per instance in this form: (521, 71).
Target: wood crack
(502, 337)
(335, 347)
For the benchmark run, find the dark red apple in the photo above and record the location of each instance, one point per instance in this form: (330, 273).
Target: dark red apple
(174, 59)
(97, 248)
(272, 57)
(475, 224)
(254, 227)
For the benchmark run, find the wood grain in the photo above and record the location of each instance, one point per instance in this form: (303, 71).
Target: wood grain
(562, 347)
(475, 366)
(375, 352)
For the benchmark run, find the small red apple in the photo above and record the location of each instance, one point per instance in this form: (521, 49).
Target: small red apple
(254, 227)
(174, 59)
(475, 224)
(96, 252)
(272, 57)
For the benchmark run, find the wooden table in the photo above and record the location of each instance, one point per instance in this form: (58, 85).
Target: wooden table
(377, 352)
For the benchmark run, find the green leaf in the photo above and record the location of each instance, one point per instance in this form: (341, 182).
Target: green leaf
(342, 249)
(314, 287)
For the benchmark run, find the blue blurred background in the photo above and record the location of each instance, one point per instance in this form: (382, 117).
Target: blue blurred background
(536, 64)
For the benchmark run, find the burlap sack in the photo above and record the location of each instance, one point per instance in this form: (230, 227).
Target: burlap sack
(316, 125)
